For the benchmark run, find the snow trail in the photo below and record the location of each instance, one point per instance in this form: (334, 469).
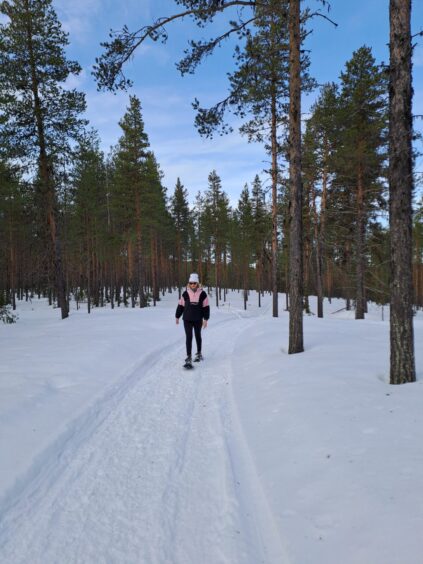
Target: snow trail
(161, 475)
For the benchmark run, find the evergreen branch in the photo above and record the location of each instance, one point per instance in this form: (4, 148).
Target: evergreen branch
(208, 120)
(108, 67)
(202, 49)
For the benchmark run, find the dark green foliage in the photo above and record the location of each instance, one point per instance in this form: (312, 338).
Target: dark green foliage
(216, 214)
(34, 35)
(243, 242)
(262, 224)
(124, 242)
(183, 226)
(260, 80)
(344, 173)
(40, 118)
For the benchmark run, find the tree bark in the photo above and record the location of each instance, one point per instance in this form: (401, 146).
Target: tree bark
(274, 206)
(360, 236)
(216, 272)
(322, 232)
(402, 364)
(319, 273)
(140, 260)
(296, 198)
(12, 266)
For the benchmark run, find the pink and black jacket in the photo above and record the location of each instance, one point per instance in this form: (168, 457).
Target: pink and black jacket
(193, 305)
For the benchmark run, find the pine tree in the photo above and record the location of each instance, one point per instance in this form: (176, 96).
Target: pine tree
(12, 226)
(128, 195)
(199, 240)
(320, 142)
(88, 221)
(263, 80)
(157, 219)
(262, 227)
(216, 221)
(362, 149)
(182, 221)
(259, 88)
(244, 235)
(39, 115)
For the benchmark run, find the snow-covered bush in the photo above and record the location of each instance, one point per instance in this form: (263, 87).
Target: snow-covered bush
(6, 315)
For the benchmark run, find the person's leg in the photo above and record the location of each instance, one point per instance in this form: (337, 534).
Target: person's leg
(197, 330)
(188, 326)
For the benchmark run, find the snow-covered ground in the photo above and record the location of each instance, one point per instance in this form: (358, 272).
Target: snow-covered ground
(112, 453)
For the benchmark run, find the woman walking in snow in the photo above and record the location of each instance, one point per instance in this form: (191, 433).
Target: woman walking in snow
(194, 306)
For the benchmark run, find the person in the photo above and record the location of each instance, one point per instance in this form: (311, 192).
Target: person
(194, 309)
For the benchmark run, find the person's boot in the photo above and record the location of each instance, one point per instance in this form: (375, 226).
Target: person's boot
(188, 362)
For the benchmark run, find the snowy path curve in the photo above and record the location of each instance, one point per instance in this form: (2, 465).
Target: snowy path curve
(162, 475)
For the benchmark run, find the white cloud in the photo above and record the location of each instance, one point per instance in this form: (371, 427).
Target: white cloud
(192, 159)
(180, 151)
(78, 17)
(81, 18)
(76, 81)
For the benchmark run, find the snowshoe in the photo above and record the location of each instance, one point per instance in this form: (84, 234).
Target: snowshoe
(198, 357)
(188, 363)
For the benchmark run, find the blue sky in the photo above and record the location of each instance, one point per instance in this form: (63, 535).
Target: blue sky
(166, 97)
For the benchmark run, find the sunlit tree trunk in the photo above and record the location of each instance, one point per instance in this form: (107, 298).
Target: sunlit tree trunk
(402, 365)
(47, 179)
(296, 199)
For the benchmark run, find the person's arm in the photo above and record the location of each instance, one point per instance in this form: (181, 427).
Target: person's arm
(180, 309)
(206, 310)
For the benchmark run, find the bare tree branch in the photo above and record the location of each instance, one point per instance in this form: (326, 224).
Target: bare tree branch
(311, 15)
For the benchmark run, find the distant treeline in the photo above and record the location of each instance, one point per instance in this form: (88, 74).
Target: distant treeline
(102, 229)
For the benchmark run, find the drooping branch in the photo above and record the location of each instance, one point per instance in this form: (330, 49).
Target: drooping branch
(208, 120)
(108, 68)
(201, 49)
(318, 13)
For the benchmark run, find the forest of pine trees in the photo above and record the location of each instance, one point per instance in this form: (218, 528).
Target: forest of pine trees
(76, 224)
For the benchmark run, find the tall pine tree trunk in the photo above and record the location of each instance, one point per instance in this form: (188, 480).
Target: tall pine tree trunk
(216, 273)
(153, 263)
(47, 180)
(12, 284)
(402, 367)
(274, 205)
(321, 234)
(131, 271)
(140, 260)
(295, 239)
(359, 248)
(319, 273)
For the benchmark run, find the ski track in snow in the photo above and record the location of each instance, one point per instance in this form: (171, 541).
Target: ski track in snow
(158, 473)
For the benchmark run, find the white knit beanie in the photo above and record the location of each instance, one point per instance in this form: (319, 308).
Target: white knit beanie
(194, 278)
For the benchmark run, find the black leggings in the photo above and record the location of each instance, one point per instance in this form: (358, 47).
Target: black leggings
(189, 326)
